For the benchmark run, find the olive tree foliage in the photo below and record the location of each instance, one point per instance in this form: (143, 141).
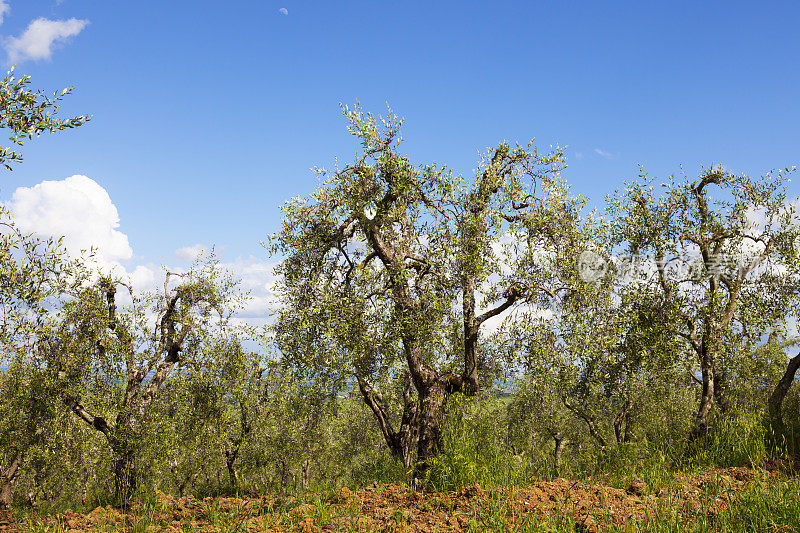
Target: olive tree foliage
(597, 370)
(237, 422)
(29, 113)
(597, 350)
(624, 358)
(36, 278)
(778, 350)
(125, 355)
(202, 419)
(294, 430)
(714, 252)
(35, 275)
(180, 428)
(240, 391)
(392, 269)
(537, 413)
(266, 424)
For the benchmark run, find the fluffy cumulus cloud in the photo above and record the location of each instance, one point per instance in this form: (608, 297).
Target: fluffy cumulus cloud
(78, 208)
(4, 9)
(41, 37)
(143, 277)
(81, 211)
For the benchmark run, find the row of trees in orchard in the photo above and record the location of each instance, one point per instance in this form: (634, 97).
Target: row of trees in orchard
(393, 271)
(101, 398)
(421, 314)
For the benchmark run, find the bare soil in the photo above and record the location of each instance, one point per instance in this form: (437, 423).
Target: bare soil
(397, 508)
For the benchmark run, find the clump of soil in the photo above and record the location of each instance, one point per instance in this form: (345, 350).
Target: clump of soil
(395, 507)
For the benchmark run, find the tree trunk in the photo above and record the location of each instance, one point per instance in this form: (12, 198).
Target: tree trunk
(124, 477)
(306, 471)
(432, 403)
(189, 479)
(590, 422)
(776, 434)
(707, 395)
(7, 480)
(623, 423)
(36, 489)
(471, 330)
(558, 452)
(85, 488)
(230, 459)
(284, 476)
(400, 442)
(409, 427)
(628, 437)
(720, 397)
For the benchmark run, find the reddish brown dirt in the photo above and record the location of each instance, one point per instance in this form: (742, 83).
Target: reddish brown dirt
(396, 508)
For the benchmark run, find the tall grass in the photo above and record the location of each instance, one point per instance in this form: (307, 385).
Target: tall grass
(732, 440)
(476, 451)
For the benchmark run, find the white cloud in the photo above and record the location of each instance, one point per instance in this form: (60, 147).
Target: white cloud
(190, 253)
(143, 277)
(76, 207)
(4, 9)
(41, 37)
(283, 11)
(603, 153)
(81, 211)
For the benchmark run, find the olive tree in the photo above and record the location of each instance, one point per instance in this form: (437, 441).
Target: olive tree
(391, 268)
(776, 349)
(714, 251)
(615, 335)
(537, 412)
(36, 278)
(115, 361)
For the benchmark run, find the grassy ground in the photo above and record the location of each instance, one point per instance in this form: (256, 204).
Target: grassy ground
(637, 487)
(732, 499)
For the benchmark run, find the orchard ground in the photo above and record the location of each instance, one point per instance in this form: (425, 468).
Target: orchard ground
(730, 499)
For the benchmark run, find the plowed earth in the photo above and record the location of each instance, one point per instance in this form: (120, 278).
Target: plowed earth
(396, 508)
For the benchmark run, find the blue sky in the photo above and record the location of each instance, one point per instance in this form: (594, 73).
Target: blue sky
(208, 115)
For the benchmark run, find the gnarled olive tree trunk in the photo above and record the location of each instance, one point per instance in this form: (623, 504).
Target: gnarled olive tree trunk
(623, 423)
(8, 479)
(561, 442)
(125, 476)
(432, 404)
(706, 394)
(401, 441)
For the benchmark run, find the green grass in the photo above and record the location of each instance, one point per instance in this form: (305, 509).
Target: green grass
(475, 454)
(762, 506)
